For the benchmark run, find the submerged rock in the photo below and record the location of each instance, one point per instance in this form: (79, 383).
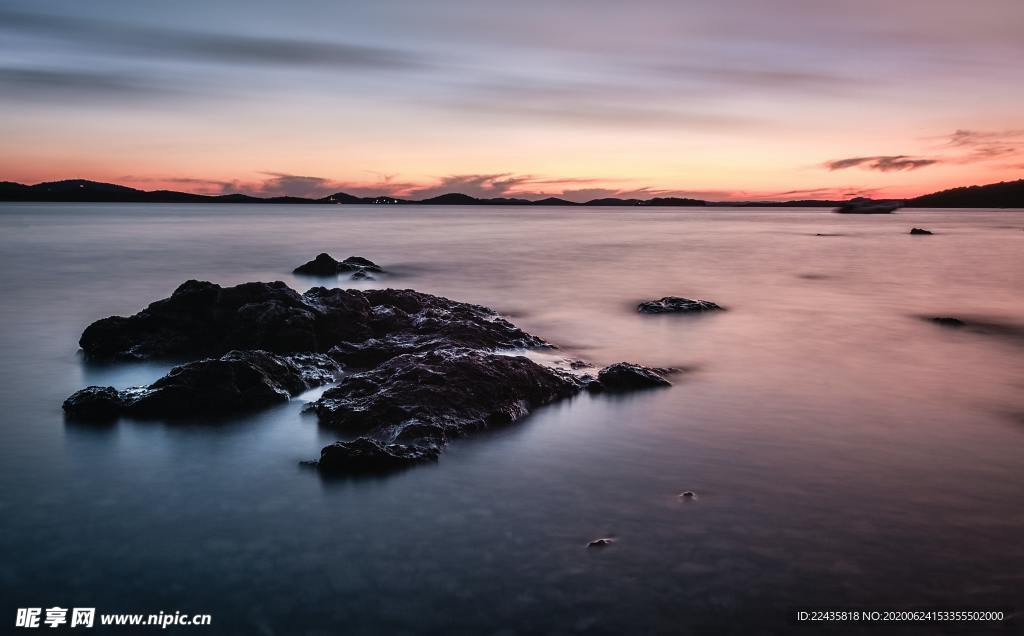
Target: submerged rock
(325, 265)
(237, 381)
(626, 376)
(603, 542)
(205, 319)
(365, 455)
(676, 305)
(920, 231)
(947, 321)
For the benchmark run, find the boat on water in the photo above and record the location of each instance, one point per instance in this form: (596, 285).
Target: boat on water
(862, 205)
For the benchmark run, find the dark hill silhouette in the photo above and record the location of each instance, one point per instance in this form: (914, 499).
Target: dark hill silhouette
(1008, 194)
(1005, 194)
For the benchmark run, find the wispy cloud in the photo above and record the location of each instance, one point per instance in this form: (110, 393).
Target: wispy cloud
(881, 163)
(211, 47)
(985, 145)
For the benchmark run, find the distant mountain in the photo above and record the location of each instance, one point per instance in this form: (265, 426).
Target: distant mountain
(1005, 194)
(554, 201)
(996, 195)
(610, 201)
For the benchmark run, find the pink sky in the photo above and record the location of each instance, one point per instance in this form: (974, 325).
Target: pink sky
(732, 101)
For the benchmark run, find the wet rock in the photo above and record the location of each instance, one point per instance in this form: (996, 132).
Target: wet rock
(238, 381)
(456, 390)
(676, 305)
(94, 404)
(603, 542)
(205, 319)
(920, 232)
(362, 275)
(687, 494)
(404, 321)
(325, 265)
(425, 399)
(626, 376)
(365, 455)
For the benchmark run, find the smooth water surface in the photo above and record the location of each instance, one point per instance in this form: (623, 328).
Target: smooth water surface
(843, 450)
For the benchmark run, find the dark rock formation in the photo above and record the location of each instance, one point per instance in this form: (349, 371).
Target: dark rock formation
(404, 321)
(365, 455)
(433, 370)
(454, 391)
(238, 381)
(423, 399)
(603, 542)
(920, 232)
(325, 265)
(94, 404)
(948, 321)
(626, 376)
(676, 305)
(204, 319)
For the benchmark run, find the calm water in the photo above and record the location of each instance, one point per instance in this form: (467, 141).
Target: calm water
(843, 451)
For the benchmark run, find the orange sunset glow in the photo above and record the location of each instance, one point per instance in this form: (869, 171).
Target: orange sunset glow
(599, 100)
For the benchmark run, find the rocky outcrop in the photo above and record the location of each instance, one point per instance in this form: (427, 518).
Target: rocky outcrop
(365, 455)
(676, 305)
(423, 369)
(440, 394)
(626, 376)
(325, 265)
(237, 381)
(205, 319)
(920, 232)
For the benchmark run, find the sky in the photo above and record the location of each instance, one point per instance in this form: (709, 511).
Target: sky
(725, 100)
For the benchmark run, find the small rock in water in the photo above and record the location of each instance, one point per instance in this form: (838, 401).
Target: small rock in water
(601, 543)
(364, 455)
(948, 321)
(626, 376)
(687, 494)
(326, 265)
(676, 305)
(94, 404)
(920, 231)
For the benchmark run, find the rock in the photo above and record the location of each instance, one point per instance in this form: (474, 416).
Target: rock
(456, 390)
(920, 231)
(424, 399)
(676, 305)
(237, 381)
(365, 455)
(358, 263)
(404, 321)
(202, 319)
(95, 403)
(362, 275)
(948, 321)
(626, 376)
(687, 494)
(601, 543)
(325, 265)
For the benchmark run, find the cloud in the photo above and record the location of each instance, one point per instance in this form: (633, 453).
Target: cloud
(588, 103)
(49, 83)
(881, 163)
(222, 48)
(986, 145)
